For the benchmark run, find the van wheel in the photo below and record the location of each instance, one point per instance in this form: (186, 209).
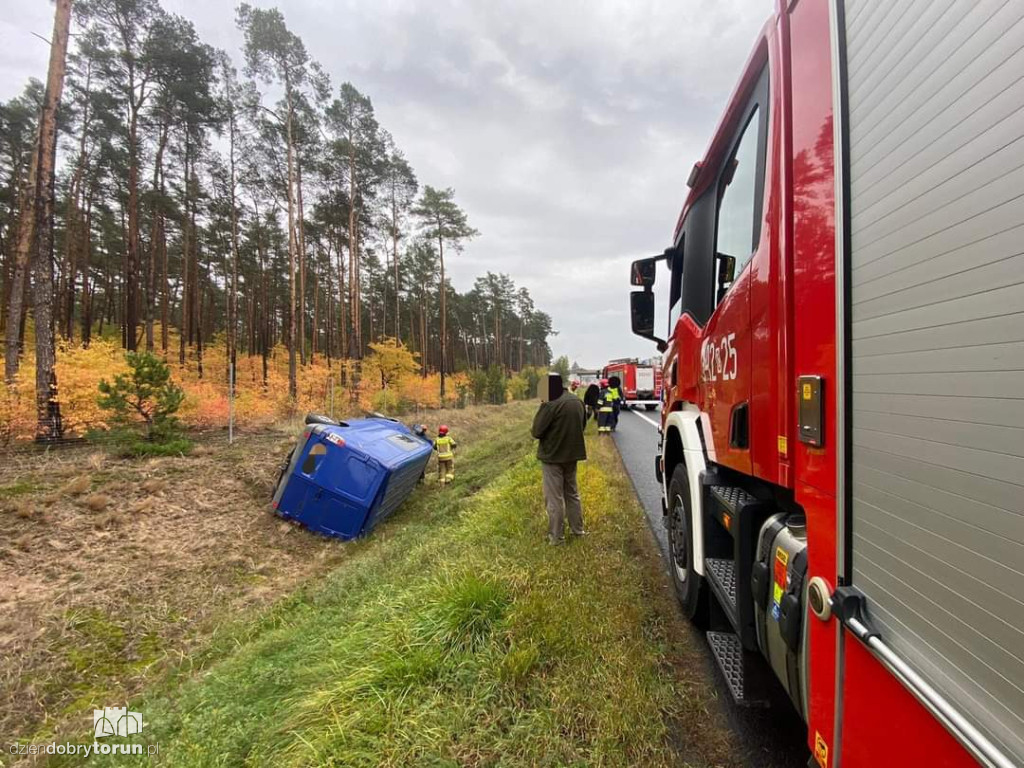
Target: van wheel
(690, 587)
(649, 407)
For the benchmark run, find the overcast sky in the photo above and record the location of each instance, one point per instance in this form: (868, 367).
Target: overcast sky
(567, 128)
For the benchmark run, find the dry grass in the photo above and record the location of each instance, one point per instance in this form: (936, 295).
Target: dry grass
(105, 591)
(97, 502)
(78, 486)
(154, 485)
(109, 520)
(142, 506)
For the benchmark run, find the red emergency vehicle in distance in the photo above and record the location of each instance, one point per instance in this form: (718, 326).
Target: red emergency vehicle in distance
(842, 437)
(641, 380)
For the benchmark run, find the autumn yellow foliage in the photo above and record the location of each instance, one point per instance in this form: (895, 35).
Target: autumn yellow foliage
(344, 388)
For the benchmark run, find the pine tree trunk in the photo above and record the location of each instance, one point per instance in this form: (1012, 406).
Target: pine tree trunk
(329, 310)
(195, 298)
(394, 257)
(87, 289)
(302, 263)
(199, 323)
(156, 237)
(355, 338)
(48, 421)
(23, 249)
(292, 247)
(130, 319)
(165, 301)
(424, 344)
(185, 331)
(342, 316)
(232, 340)
(444, 308)
(66, 291)
(316, 315)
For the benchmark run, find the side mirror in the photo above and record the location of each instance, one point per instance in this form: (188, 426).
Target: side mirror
(726, 268)
(726, 273)
(643, 272)
(641, 315)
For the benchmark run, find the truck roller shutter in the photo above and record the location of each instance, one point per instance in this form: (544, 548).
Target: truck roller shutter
(935, 306)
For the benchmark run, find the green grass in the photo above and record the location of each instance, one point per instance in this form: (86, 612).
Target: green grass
(18, 488)
(456, 636)
(142, 449)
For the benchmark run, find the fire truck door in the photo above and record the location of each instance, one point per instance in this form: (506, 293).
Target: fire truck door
(725, 371)
(726, 363)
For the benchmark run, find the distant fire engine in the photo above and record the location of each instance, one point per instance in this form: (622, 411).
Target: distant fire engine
(641, 380)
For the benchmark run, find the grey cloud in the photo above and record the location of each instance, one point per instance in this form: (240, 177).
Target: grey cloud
(567, 128)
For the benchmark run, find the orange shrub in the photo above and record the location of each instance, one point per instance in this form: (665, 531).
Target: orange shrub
(17, 409)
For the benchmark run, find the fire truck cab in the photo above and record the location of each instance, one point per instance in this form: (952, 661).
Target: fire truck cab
(842, 432)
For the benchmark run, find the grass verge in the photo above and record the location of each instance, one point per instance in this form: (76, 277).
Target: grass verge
(456, 636)
(130, 575)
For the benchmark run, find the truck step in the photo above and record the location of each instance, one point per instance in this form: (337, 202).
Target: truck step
(731, 498)
(744, 682)
(721, 575)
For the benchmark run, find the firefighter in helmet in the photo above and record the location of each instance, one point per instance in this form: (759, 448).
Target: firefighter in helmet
(614, 396)
(445, 447)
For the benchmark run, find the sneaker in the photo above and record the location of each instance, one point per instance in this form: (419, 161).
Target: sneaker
(579, 533)
(555, 542)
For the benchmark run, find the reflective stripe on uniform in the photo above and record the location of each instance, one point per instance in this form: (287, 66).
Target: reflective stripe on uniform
(444, 448)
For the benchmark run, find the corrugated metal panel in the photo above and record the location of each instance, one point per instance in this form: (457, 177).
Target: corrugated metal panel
(936, 138)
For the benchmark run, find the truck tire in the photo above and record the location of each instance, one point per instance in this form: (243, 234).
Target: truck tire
(690, 587)
(650, 407)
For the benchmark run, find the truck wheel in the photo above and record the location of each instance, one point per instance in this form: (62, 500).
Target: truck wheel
(649, 407)
(690, 587)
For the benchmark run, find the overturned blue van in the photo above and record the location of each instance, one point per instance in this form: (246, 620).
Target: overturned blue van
(345, 477)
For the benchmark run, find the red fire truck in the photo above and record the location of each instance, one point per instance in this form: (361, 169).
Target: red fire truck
(842, 437)
(641, 381)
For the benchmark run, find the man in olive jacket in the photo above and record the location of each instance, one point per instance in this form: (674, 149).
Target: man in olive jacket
(559, 426)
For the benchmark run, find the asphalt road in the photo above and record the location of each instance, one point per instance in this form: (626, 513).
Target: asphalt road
(773, 737)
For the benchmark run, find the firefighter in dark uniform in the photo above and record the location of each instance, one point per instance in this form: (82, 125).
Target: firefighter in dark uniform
(590, 398)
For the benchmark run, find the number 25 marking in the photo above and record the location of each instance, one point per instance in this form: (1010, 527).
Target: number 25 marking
(720, 360)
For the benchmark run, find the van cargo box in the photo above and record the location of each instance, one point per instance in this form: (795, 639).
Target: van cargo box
(344, 478)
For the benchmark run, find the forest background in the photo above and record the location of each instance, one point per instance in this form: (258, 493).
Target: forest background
(259, 220)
